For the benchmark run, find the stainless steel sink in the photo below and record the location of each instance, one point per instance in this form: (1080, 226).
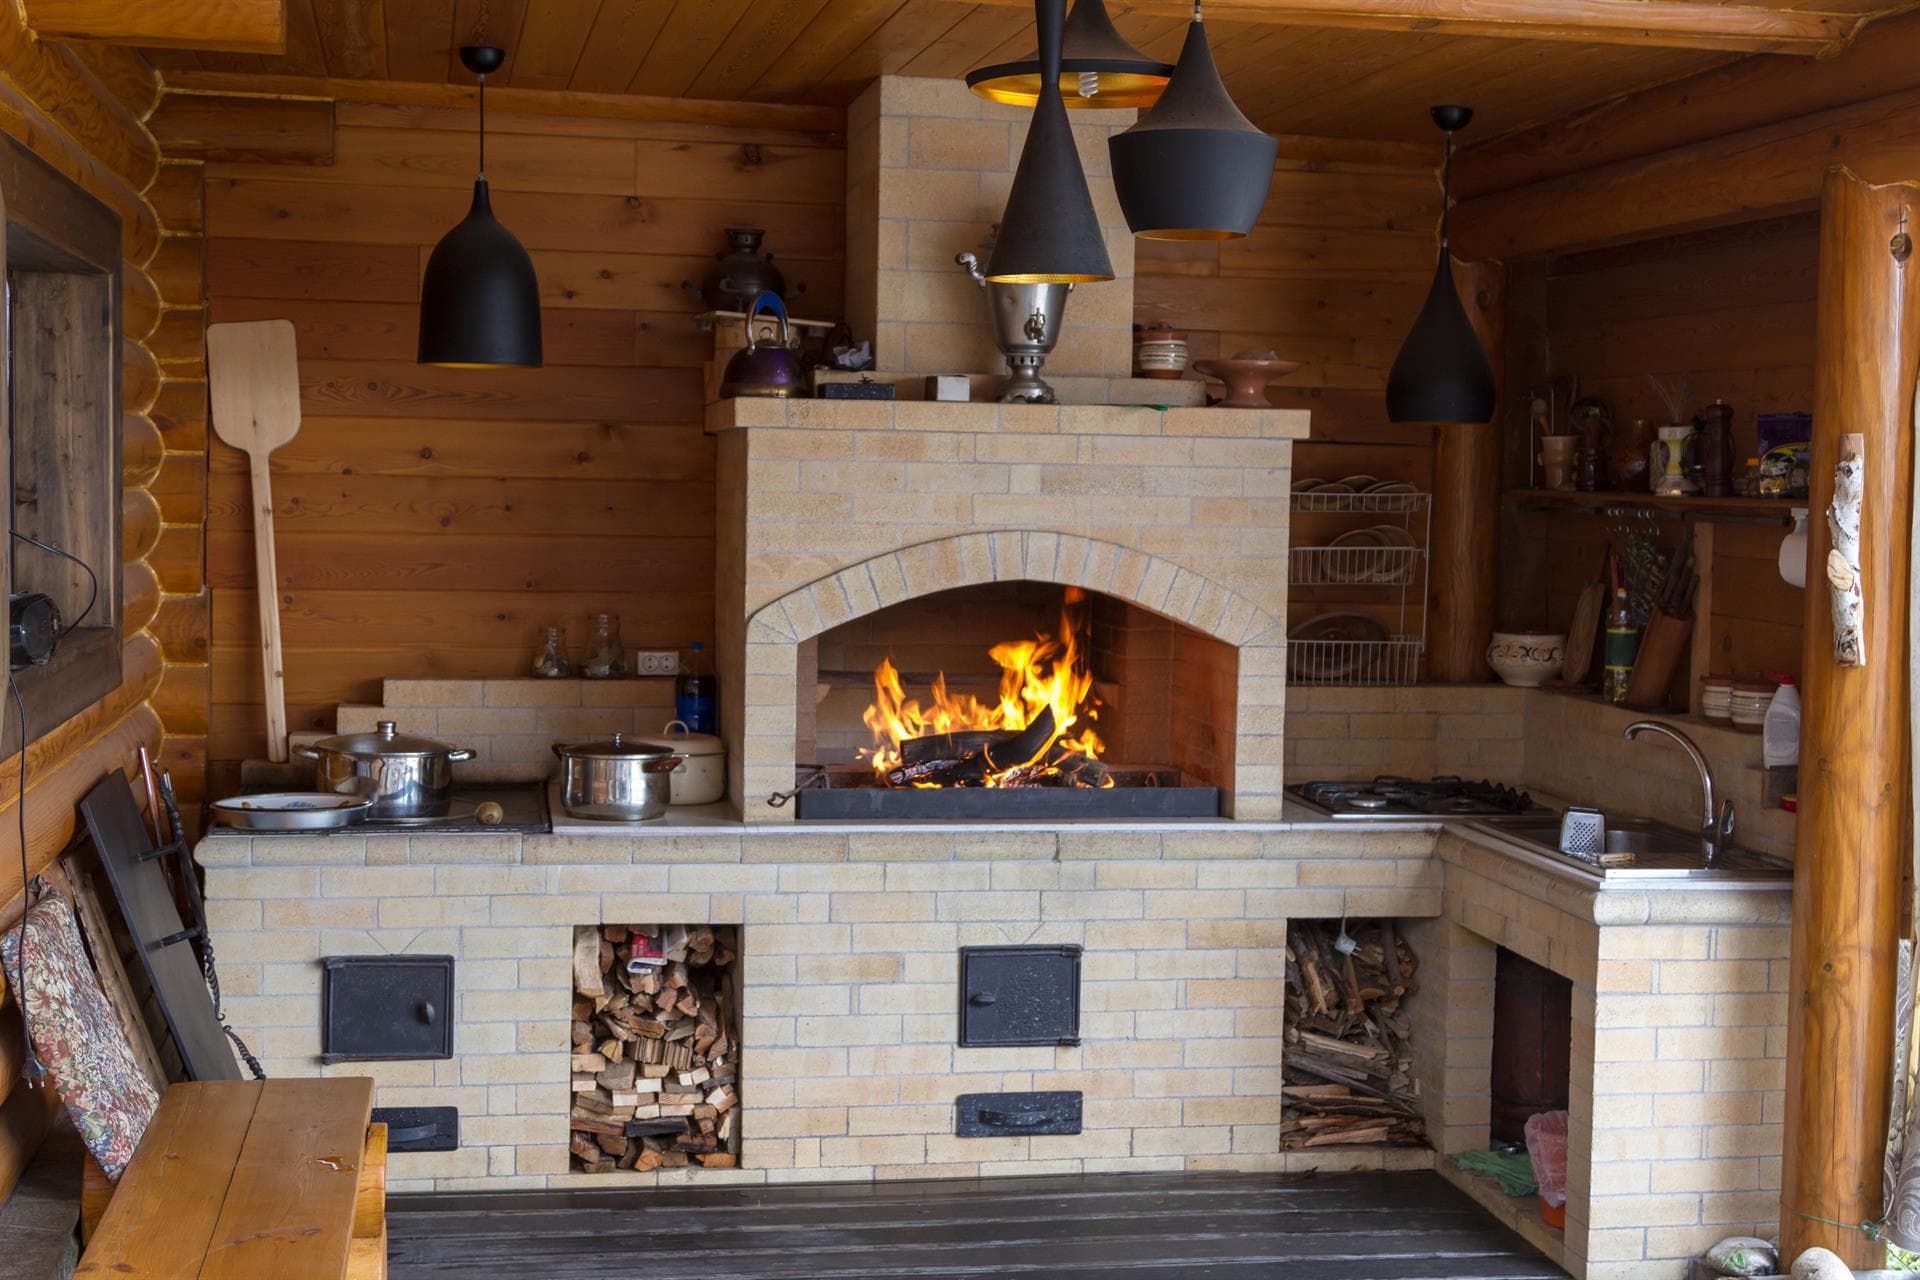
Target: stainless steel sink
(1655, 849)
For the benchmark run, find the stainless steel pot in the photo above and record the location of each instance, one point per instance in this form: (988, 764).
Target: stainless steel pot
(405, 777)
(616, 781)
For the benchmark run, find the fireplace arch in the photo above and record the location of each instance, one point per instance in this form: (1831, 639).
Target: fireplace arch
(763, 719)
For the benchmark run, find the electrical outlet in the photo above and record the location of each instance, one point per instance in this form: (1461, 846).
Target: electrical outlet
(663, 663)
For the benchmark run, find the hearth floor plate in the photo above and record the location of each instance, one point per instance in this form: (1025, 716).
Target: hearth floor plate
(1171, 796)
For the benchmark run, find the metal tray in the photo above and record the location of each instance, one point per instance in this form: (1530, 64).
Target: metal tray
(292, 811)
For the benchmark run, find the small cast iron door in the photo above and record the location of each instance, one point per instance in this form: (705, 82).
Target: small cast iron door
(387, 1008)
(1019, 995)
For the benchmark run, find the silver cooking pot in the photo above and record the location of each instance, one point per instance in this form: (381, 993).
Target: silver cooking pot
(623, 780)
(405, 777)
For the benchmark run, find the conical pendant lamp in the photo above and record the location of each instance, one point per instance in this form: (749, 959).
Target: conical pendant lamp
(1049, 233)
(480, 300)
(1442, 373)
(1194, 167)
(1098, 68)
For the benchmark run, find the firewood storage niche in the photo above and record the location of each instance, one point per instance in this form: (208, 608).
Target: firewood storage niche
(655, 1047)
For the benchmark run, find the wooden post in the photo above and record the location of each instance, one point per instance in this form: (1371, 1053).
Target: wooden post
(1465, 552)
(1851, 835)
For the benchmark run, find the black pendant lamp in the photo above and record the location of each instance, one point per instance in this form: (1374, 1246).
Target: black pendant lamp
(1442, 373)
(1194, 167)
(480, 300)
(1049, 233)
(1098, 68)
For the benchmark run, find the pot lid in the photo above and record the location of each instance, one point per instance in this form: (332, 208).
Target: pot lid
(385, 740)
(619, 747)
(688, 743)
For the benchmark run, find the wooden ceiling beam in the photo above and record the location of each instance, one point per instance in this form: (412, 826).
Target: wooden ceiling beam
(228, 26)
(1740, 177)
(1741, 95)
(533, 102)
(1674, 24)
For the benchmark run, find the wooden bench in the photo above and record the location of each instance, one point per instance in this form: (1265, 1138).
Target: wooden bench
(251, 1180)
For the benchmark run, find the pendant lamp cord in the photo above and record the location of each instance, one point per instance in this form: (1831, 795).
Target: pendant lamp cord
(483, 124)
(1446, 191)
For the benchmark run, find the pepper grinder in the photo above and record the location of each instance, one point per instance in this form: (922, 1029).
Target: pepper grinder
(1715, 443)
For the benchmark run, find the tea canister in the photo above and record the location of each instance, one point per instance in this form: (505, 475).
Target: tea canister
(1716, 698)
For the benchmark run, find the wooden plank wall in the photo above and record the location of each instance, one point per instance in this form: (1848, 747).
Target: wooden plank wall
(1732, 312)
(1332, 276)
(82, 109)
(434, 521)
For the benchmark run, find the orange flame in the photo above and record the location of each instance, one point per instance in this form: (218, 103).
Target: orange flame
(1044, 673)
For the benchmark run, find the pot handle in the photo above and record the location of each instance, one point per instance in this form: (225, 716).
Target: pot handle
(460, 753)
(665, 764)
(306, 753)
(769, 299)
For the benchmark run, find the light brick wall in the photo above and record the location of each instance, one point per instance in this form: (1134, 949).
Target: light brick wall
(849, 944)
(1571, 748)
(1678, 1055)
(929, 167)
(511, 725)
(853, 506)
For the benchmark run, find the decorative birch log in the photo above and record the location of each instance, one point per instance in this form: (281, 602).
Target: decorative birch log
(1843, 558)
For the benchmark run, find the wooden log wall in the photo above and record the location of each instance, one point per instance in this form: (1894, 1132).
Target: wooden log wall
(1731, 312)
(434, 521)
(82, 110)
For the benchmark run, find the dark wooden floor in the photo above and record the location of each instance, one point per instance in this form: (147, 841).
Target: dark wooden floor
(1386, 1226)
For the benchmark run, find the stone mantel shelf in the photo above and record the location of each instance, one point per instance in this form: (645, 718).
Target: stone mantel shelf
(972, 416)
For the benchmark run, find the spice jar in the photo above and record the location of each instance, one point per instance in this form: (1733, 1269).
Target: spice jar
(1749, 704)
(607, 661)
(551, 662)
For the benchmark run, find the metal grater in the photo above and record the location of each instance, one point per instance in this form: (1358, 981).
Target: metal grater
(1583, 832)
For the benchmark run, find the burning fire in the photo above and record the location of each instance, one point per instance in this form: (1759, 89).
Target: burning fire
(1042, 680)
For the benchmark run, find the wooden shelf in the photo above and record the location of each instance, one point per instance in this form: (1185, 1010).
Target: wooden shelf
(1701, 508)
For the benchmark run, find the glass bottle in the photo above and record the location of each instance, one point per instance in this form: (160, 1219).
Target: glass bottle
(551, 662)
(1622, 647)
(608, 660)
(696, 694)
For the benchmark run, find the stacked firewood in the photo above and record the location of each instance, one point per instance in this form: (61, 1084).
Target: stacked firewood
(1347, 1064)
(655, 1047)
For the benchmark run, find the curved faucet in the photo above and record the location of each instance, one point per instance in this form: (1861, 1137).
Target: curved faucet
(1716, 824)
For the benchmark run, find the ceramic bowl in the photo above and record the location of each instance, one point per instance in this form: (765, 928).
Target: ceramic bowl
(1527, 659)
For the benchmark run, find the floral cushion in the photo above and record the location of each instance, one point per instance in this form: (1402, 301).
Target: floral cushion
(77, 1038)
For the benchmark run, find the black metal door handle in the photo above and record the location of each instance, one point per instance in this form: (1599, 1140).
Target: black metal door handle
(981, 999)
(427, 1012)
(1019, 1120)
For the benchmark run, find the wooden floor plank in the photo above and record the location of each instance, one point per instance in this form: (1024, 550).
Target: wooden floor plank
(164, 1214)
(294, 1181)
(1387, 1226)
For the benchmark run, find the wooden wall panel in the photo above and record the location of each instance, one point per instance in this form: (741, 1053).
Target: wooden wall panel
(433, 521)
(1332, 277)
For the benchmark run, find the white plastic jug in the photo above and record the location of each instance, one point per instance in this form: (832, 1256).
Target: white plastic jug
(1780, 736)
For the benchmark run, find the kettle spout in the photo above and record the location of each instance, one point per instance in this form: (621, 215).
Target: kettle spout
(972, 265)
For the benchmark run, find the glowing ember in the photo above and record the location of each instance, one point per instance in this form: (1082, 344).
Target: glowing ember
(953, 740)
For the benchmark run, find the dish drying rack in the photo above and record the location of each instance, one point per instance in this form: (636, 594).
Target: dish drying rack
(1355, 571)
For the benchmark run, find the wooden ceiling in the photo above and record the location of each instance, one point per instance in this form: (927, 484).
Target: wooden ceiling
(1370, 74)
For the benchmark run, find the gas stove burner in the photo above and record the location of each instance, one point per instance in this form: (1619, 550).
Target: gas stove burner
(1391, 797)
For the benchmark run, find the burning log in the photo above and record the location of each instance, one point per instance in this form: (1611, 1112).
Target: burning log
(1346, 1069)
(655, 1056)
(1003, 750)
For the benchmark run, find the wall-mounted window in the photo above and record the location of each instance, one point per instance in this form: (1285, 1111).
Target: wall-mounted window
(60, 419)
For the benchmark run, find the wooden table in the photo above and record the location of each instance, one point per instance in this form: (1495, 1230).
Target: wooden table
(250, 1180)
